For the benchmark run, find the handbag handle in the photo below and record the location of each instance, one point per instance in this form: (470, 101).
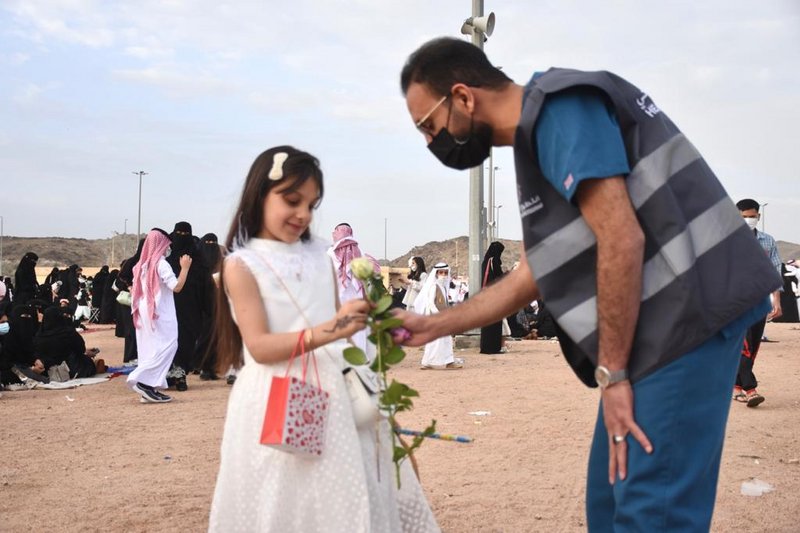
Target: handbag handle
(301, 338)
(300, 346)
(486, 274)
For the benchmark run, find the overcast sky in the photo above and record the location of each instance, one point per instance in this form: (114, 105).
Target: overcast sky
(192, 92)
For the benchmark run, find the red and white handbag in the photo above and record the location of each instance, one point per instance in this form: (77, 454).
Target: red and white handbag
(297, 411)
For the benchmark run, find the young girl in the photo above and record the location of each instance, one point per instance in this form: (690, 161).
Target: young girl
(280, 284)
(416, 278)
(153, 309)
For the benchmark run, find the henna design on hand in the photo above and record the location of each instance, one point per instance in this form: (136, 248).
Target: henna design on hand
(340, 324)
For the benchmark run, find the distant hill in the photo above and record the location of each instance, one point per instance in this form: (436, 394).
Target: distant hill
(455, 252)
(62, 252)
(92, 253)
(788, 250)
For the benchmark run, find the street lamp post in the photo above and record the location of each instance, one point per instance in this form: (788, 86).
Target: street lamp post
(140, 173)
(497, 223)
(763, 218)
(490, 223)
(125, 239)
(480, 28)
(113, 235)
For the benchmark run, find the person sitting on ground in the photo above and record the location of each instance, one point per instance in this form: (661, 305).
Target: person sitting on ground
(17, 361)
(58, 342)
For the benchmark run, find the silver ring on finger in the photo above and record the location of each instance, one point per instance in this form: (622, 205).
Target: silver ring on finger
(618, 439)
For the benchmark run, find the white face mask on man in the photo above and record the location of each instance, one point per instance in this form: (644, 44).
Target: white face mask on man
(752, 222)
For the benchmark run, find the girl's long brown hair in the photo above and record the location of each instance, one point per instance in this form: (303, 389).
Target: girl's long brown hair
(247, 222)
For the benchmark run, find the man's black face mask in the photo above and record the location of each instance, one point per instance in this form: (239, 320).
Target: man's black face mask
(465, 154)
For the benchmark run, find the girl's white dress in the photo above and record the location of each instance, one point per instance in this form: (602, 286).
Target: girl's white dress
(156, 340)
(260, 488)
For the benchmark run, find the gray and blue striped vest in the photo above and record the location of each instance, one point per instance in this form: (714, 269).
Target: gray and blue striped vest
(702, 267)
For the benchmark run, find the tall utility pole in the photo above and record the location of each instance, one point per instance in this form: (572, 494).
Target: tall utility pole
(490, 206)
(140, 173)
(479, 27)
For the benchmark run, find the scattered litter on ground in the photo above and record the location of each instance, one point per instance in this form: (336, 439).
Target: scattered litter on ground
(755, 487)
(480, 413)
(69, 399)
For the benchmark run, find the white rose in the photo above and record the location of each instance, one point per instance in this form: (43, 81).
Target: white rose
(361, 268)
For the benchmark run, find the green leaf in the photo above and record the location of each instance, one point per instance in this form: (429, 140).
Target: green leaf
(382, 304)
(399, 454)
(355, 356)
(389, 323)
(410, 393)
(394, 356)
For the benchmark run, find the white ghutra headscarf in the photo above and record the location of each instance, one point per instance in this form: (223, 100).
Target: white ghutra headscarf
(425, 303)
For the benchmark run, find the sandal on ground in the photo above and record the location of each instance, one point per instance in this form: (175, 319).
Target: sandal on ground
(740, 397)
(754, 399)
(449, 366)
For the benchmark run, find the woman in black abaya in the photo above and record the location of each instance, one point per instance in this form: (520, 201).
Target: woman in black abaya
(46, 289)
(25, 279)
(108, 309)
(205, 356)
(99, 287)
(190, 303)
(492, 270)
(125, 282)
(788, 299)
(18, 344)
(58, 342)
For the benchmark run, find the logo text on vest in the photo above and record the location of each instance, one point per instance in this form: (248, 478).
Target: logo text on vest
(530, 206)
(647, 105)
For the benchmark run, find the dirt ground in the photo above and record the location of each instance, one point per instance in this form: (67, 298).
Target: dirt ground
(95, 459)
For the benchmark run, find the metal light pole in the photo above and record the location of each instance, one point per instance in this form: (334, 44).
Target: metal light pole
(140, 173)
(479, 27)
(497, 223)
(763, 218)
(1, 247)
(490, 223)
(125, 239)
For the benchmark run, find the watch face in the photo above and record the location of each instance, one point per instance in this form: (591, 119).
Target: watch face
(601, 376)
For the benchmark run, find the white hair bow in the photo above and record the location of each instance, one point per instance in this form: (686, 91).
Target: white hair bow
(276, 172)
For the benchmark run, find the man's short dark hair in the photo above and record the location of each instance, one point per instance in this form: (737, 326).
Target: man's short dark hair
(747, 204)
(443, 62)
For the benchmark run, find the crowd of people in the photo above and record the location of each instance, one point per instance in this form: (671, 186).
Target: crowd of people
(629, 238)
(39, 322)
(106, 298)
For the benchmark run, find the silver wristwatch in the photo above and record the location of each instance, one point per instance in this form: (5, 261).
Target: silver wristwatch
(605, 378)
